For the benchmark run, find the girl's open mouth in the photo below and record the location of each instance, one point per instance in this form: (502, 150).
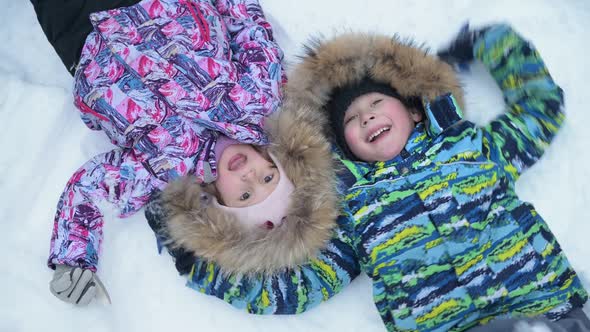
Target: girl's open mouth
(236, 162)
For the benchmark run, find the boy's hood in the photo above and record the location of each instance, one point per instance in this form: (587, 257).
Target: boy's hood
(197, 226)
(349, 58)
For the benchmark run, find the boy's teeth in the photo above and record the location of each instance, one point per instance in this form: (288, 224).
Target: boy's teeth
(377, 133)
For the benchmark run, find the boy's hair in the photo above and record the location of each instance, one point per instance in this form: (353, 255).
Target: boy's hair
(343, 97)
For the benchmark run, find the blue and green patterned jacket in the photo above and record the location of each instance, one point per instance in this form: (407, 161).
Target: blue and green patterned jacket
(439, 229)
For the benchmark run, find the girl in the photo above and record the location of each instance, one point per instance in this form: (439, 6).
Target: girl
(182, 87)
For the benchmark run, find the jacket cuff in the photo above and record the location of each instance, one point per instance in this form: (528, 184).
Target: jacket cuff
(442, 113)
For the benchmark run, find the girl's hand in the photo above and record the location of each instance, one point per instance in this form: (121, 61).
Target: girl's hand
(75, 285)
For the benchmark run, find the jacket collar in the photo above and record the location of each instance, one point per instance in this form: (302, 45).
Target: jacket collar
(360, 172)
(442, 113)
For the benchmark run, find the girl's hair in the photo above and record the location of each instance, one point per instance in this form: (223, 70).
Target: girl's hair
(211, 189)
(263, 150)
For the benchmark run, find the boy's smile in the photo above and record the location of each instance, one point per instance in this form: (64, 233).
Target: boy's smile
(377, 126)
(378, 134)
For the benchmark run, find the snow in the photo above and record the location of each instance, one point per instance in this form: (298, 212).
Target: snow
(43, 142)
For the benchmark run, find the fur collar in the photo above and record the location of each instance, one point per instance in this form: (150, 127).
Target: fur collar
(194, 224)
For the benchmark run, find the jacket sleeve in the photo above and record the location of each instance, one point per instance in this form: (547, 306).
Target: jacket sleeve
(116, 176)
(289, 292)
(518, 138)
(253, 45)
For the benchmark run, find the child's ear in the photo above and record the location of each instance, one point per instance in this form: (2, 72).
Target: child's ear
(414, 106)
(416, 115)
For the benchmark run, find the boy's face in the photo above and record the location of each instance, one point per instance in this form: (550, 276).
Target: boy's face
(377, 126)
(244, 176)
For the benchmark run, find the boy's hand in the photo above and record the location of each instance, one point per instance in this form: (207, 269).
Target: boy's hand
(75, 285)
(460, 51)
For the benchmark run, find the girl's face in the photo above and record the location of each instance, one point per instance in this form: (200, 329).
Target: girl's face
(377, 126)
(245, 177)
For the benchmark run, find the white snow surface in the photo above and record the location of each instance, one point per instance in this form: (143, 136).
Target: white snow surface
(43, 141)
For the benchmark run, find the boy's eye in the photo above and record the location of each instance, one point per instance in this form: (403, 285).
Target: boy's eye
(268, 178)
(374, 103)
(245, 196)
(350, 119)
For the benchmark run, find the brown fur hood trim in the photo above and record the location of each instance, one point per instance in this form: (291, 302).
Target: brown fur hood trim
(194, 224)
(349, 58)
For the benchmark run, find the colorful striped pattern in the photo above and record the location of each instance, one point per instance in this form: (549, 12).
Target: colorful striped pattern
(162, 79)
(440, 230)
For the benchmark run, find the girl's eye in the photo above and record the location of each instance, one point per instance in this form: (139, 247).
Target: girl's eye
(350, 119)
(373, 104)
(268, 178)
(245, 196)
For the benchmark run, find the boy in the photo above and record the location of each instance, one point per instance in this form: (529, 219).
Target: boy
(430, 210)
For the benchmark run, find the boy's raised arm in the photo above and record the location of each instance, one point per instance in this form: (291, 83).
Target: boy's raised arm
(288, 292)
(534, 113)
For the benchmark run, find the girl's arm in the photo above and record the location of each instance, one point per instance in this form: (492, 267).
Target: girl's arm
(116, 176)
(254, 48)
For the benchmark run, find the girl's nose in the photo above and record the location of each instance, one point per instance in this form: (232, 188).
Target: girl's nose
(248, 174)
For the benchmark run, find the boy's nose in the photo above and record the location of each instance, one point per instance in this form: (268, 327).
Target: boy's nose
(366, 119)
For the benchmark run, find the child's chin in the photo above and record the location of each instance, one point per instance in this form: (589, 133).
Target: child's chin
(388, 155)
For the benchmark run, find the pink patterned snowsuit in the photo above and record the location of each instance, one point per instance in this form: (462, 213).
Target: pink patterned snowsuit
(163, 79)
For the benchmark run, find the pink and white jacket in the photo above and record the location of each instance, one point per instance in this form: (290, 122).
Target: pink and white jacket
(163, 79)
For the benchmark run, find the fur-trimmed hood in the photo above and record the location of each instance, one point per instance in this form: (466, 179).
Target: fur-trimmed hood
(195, 225)
(298, 136)
(348, 58)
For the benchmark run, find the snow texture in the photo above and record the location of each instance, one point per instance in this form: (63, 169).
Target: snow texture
(43, 142)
